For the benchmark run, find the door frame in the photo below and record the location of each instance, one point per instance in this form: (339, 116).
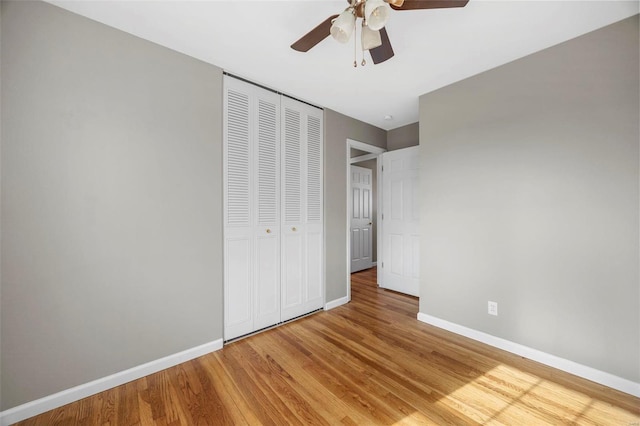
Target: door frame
(373, 153)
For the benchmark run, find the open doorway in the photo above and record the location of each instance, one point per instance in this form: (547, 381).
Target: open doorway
(362, 206)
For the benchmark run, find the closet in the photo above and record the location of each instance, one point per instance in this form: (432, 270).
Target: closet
(273, 224)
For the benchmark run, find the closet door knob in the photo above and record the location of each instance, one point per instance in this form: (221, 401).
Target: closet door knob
(268, 231)
(294, 229)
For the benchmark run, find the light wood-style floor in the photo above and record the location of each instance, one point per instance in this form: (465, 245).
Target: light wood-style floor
(368, 362)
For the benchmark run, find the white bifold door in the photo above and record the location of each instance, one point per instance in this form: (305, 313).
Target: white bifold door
(272, 208)
(400, 262)
(252, 211)
(302, 241)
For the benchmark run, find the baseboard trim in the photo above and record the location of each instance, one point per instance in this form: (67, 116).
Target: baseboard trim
(39, 406)
(589, 373)
(336, 303)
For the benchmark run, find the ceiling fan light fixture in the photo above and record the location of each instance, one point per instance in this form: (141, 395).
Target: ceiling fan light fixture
(370, 38)
(376, 13)
(396, 3)
(343, 26)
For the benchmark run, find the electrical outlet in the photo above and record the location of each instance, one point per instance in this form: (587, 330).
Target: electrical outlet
(493, 308)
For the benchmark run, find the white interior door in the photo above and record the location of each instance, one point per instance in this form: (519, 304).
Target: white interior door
(400, 221)
(361, 219)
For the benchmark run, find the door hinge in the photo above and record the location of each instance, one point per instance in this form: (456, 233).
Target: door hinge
(383, 264)
(382, 216)
(382, 169)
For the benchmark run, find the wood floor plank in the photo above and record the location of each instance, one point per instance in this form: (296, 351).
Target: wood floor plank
(238, 411)
(300, 366)
(285, 386)
(364, 363)
(128, 409)
(144, 405)
(251, 390)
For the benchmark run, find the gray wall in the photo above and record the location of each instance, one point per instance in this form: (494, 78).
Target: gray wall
(111, 201)
(337, 129)
(530, 195)
(403, 137)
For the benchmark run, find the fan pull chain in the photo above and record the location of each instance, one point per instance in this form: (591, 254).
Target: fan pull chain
(355, 49)
(363, 63)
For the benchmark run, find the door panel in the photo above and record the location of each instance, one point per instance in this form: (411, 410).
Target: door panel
(401, 221)
(366, 248)
(267, 163)
(292, 269)
(314, 225)
(314, 138)
(397, 197)
(355, 203)
(267, 279)
(238, 289)
(396, 258)
(314, 267)
(237, 153)
(356, 244)
(292, 167)
(366, 204)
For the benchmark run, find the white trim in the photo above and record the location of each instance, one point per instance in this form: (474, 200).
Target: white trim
(361, 146)
(379, 222)
(336, 303)
(589, 373)
(324, 209)
(374, 264)
(39, 406)
(361, 158)
(372, 149)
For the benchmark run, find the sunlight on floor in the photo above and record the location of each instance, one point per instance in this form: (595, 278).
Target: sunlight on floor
(505, 395)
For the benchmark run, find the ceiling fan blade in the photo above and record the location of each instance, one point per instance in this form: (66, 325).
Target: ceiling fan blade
(430, 4)
(314, 36)
(384, 51)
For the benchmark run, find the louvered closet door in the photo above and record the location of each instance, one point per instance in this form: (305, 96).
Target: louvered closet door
(252, 210)
(238, 229)
(267, 230)
(314, 209)
(302, 242)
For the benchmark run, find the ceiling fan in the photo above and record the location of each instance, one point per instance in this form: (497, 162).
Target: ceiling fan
(374, 15)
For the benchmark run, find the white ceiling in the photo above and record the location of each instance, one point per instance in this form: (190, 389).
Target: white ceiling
(433, 48)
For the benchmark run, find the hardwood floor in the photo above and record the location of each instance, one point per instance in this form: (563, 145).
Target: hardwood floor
(364, 363)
